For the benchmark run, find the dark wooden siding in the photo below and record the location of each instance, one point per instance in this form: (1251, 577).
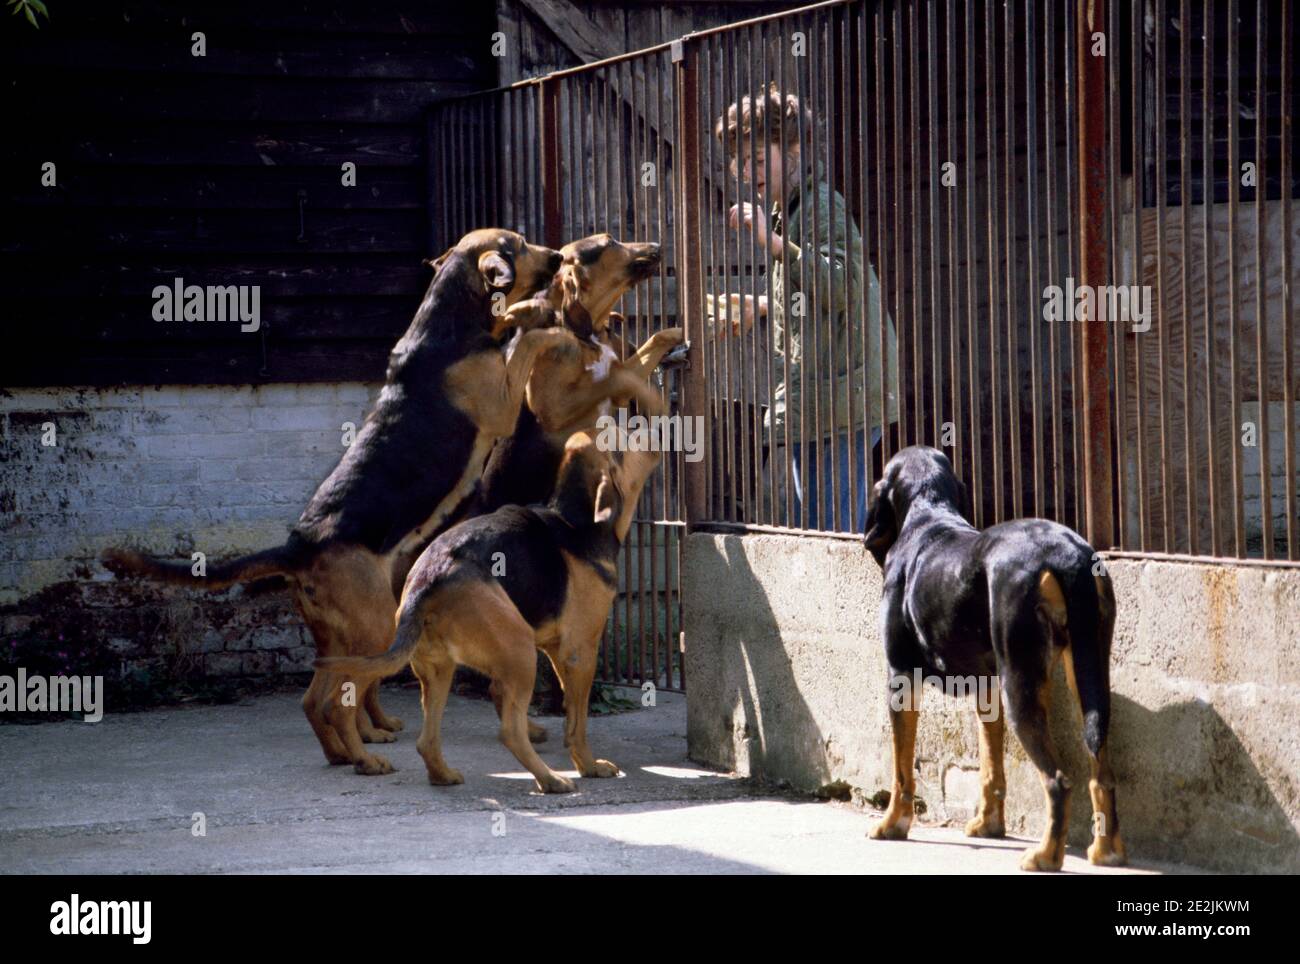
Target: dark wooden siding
(171, 166)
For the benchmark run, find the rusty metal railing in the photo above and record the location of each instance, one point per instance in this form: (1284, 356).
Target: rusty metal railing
(966, 168)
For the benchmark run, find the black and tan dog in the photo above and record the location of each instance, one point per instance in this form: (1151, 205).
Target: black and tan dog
(490, 591)
(450, 394)
(1007, 602)
(576, 380)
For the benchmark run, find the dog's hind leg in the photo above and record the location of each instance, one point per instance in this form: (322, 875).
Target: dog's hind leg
(898, 817)
(370, 731)
(435, 674)
(517, 668)
(341, 710)
(990, 820)
(1107, 846)
(313, 704)
(536, 732)
(377, 716)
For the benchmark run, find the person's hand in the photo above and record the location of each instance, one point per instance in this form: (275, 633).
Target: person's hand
(737, 315)
(751, 218)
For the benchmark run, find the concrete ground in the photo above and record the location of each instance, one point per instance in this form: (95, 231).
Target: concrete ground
(119, 797)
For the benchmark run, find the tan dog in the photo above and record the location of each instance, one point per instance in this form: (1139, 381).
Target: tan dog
(450, 394)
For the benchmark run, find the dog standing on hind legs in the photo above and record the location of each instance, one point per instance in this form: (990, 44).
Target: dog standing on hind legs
(1008, 603)
(449, 395)
(553, 593)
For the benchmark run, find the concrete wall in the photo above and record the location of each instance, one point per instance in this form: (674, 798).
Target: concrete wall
(787, 683)
(222, 470)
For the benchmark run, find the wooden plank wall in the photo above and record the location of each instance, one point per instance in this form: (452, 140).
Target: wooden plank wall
(1214, 359)
(223, 169)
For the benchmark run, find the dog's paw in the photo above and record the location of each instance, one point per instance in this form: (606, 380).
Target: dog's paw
(1107, 852)
(372, 766)
(601, 768)
(378, 736)
(537, 733)
(448, 777)
(392, 724)
(889, 831)
(554, 783)
(985, 827)
(1043, 859)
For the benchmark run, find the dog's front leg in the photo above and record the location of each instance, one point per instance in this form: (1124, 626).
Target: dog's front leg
(903, 714)
(576, 667)
(652, 352)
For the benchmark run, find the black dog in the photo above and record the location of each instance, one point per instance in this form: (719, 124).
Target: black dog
(1006, 602)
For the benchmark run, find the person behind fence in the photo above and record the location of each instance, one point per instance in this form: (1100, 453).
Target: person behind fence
(816, 272)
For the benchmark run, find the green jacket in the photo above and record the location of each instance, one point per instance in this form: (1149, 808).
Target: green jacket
(819, 268)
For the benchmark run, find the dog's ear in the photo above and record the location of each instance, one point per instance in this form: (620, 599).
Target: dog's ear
(882, 527)
(437, 263)
(497, 270)
(576, 317)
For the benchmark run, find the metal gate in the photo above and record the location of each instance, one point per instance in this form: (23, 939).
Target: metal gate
(991, 164)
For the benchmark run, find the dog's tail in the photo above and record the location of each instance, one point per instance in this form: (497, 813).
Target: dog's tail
(1090, 614)
(410, 627)
(215, 575)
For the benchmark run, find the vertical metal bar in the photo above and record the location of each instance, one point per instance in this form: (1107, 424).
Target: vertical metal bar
(1013, 334)
(916, 233)
(1091, 77)
(1211, 356)
(882, 245)
(753, 423)
(783, 308)
(1121, 334)
(1033, 289)
(1115, 241)
(731, 346)
(932, 178)
(818, 300)
(1184, 267)
(774, 505)
(954, 299)
(863, 166)
(995, 380)
(1055, 396)
(713, 409)
(896, 133)
(690, 279)
(1261, 282)
(973, 381)
(1161, 114)
(849, 137)
(1074, 333)
(1287, 82)
(810, 307)
(1234, 310)
(822, 108)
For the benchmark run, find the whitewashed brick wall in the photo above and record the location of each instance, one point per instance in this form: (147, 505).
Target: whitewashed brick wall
(222, 470)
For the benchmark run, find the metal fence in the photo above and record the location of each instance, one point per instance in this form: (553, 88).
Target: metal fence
(1053, 240)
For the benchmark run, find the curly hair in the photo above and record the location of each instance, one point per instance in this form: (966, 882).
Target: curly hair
(764, 115)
